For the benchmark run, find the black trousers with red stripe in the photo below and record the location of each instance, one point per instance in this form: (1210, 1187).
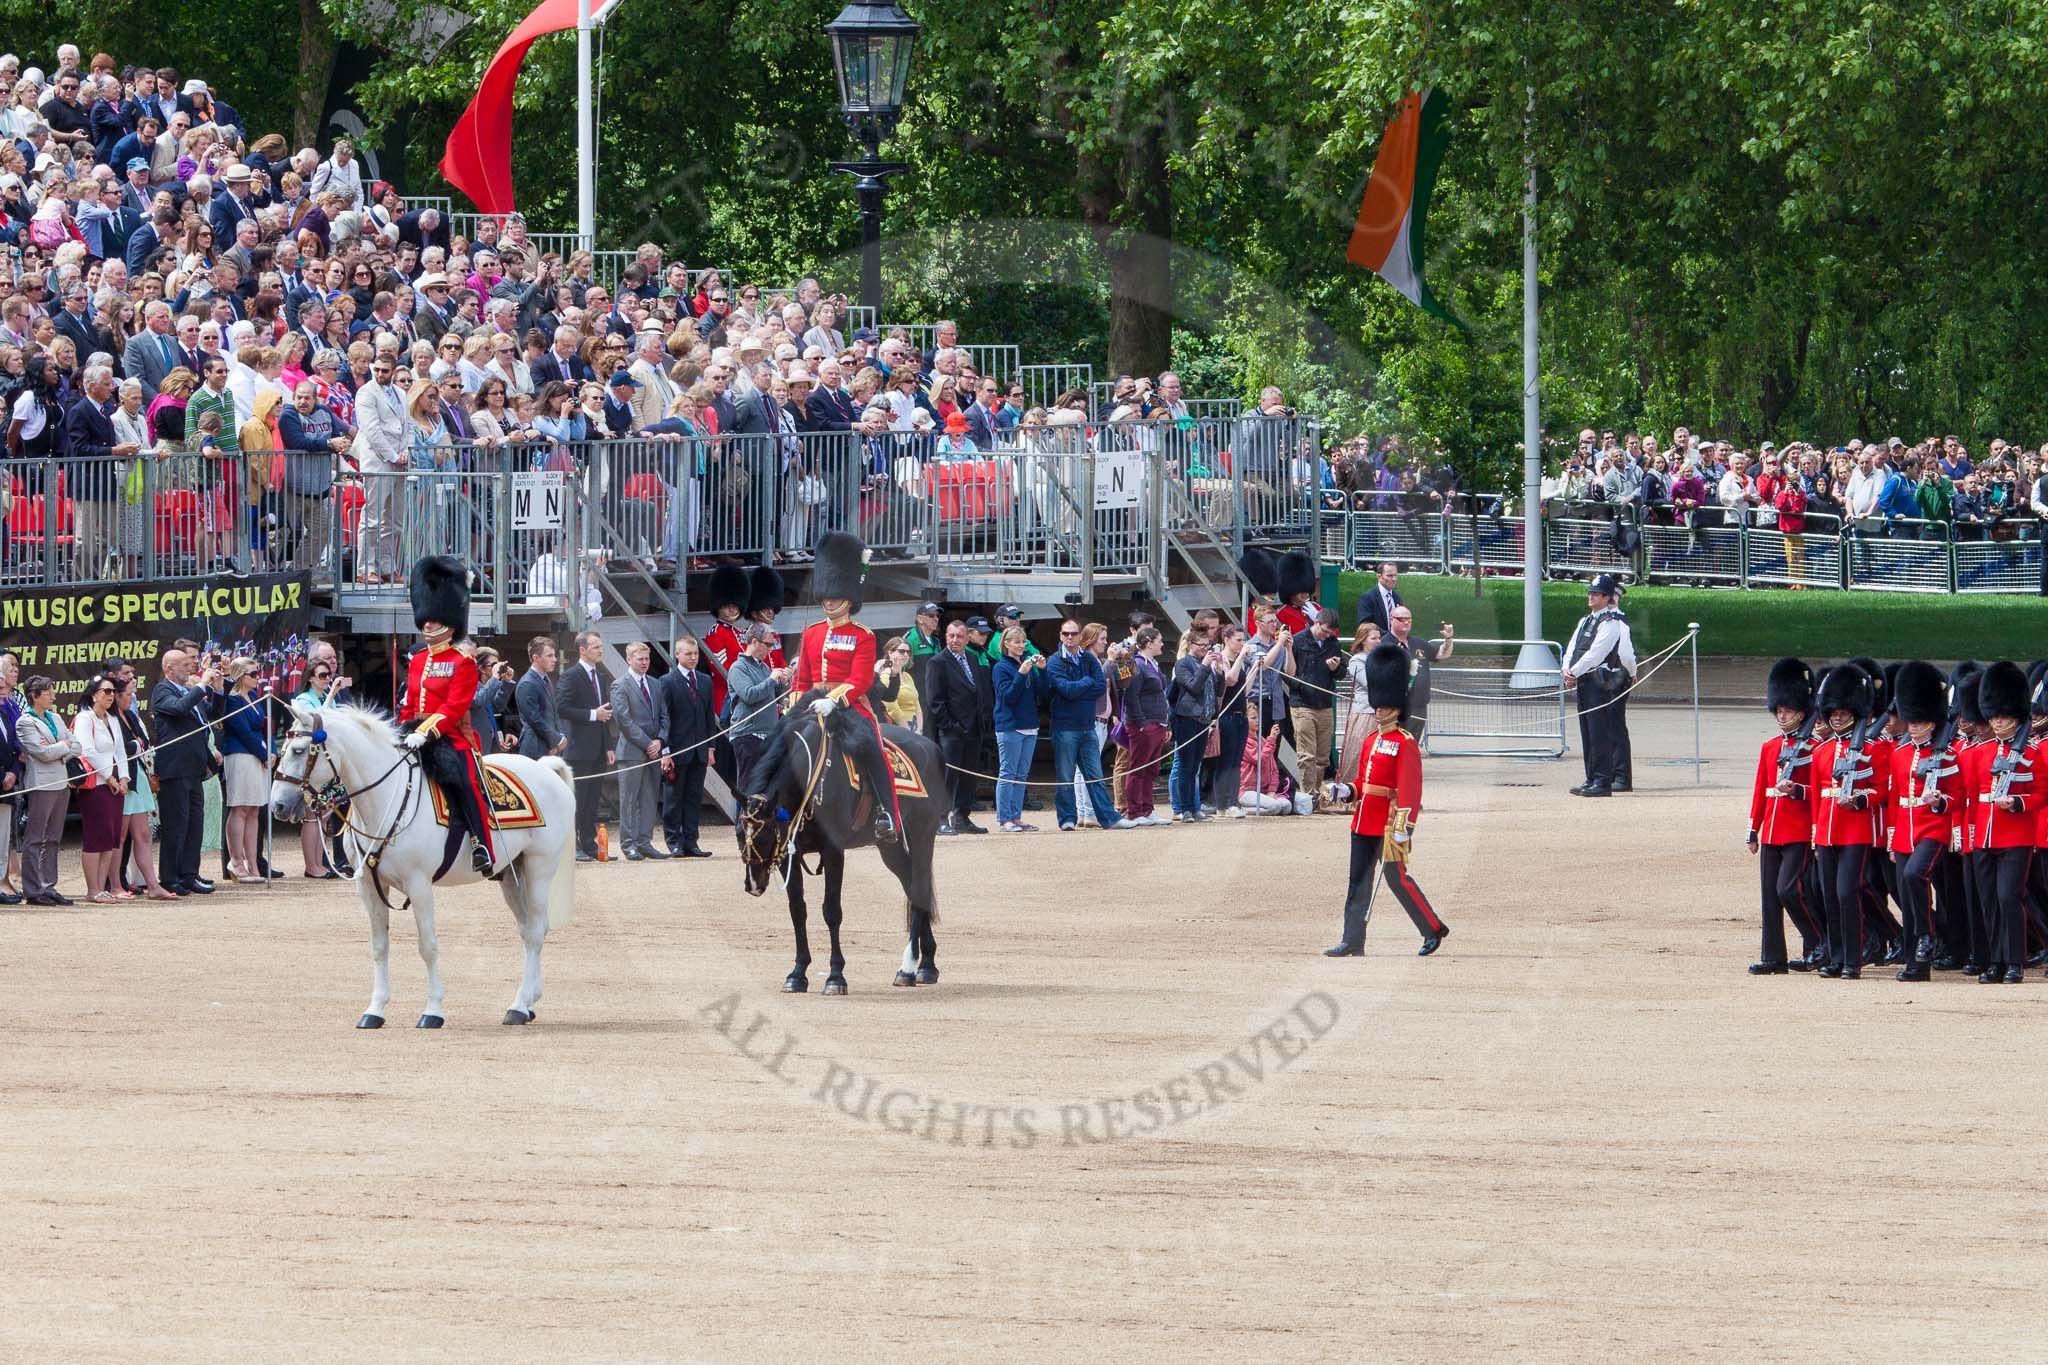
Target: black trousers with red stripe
(1841, 890)
(1916, 889)
(1781, 869)
(1365, 858)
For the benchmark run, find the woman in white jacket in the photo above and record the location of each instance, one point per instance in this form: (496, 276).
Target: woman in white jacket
(98, 732)
(339, 174)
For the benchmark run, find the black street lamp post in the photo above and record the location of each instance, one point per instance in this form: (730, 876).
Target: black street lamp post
(871, 42)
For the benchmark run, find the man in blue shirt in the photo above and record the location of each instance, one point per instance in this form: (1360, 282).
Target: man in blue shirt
(1078, 685)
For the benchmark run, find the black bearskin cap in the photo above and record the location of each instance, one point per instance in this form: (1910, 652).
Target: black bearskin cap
(2002, 691)
(1880, 699)
(440, 592)
(2037, 686)
(764, 590)
(1890, 695)
(1963, 690)
(1260, 570)
(1387, 672)
(1920, 693)
(728, 588)
(1790, 684)
(841, 557)
(1845, 687)
(1297, 574)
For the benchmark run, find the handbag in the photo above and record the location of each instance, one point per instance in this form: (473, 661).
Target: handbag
(1213, 747)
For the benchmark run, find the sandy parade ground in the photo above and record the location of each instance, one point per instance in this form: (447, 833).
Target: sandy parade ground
(1138, 1114)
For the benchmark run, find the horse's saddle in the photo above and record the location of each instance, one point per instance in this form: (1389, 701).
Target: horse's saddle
(909, 782)
(512, 805)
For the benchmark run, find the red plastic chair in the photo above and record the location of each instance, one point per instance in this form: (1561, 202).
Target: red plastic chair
(348, 502)
(648, 487)
(177, 526)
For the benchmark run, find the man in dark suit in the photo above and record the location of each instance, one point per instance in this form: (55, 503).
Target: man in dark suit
(960, 700)
(231, 207)
(182, 706)
(161, 227)
(587, 716)
(619, 417)
(74, 322)
(560, 362)
(690, 726)
(981, 417)
(540, 723)
(1376, 604)
(423, 228)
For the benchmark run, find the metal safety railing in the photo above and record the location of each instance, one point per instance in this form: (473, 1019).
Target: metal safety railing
(1043, 384)
(1484, 704)
(1359, 531)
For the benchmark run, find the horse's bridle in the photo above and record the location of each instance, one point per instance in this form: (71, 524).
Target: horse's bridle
(754, 821)
(332, 794)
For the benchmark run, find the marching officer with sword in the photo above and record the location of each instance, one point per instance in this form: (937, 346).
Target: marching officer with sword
(1601, 664)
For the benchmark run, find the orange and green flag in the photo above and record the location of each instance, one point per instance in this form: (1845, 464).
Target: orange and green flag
(1389, 237)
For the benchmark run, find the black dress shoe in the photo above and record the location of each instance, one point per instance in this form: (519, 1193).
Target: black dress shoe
(1801, 964)
(43, 899)
(969, 827)
(1830, 971)
(480, 860)
(656, 854)
(1895, 952)
(1852, 973)
(201, 885)
(1994, 975)
(2039, 959)
(59, 898)
(1622, 788)
(1915, 971)
(1947, 963)
(1974, 969)
(343, 867)
(633, 855)
(946, 828)
(696, 852)
(2015, 976)
(583, 857)
(1768, 969)
(1432, 943)
(1345, 950)
(1590, 790)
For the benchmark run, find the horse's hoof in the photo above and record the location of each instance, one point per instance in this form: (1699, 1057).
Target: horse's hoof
(927, 976)
(370, 1021)
(835, 985)
(904, 979)
(795, 984)
(517, 1017)
(429, 1021)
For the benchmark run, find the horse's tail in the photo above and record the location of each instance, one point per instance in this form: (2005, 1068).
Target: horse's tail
(562, 890)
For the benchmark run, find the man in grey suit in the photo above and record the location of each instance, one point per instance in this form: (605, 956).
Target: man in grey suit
(152, 352)
(643, 728)
(540, 727)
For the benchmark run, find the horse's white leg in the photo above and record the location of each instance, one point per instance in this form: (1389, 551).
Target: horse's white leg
(525, 889)
(380, 956)
(910, 956)
(430, 953)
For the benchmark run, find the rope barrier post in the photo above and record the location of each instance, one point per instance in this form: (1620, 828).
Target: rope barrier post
(269, 849)
(1693, 634)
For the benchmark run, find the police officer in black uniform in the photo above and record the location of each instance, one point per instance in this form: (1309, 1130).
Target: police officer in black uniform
(1601, 664)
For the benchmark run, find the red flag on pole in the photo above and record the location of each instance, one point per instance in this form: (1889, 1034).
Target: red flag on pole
(479, 157)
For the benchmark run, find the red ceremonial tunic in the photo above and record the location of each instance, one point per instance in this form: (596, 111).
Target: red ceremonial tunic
(721, 642)
(1776, 819)
(1913, 818)
(438, 690)
(1836, 825)
(1298, 619)
(837, 656)
(1994, 827)
(1389, 778)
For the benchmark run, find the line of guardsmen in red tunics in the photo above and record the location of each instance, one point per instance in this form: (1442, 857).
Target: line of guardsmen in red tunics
(1899, 784)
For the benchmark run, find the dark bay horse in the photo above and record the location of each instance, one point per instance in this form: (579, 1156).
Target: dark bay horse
(799, 800)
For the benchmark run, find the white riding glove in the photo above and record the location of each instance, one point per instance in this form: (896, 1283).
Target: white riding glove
(416, 739)
(823, 707)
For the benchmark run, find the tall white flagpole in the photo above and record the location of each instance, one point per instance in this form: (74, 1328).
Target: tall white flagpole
(586, 133)
(1536, 667)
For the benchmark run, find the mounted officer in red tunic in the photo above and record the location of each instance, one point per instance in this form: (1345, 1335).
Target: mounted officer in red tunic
(439, 687)
(1388, 791)
(838, 655)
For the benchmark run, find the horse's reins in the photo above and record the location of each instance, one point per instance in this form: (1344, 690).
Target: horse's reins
(320, 803)
(785, 850)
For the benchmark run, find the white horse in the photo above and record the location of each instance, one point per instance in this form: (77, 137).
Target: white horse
(356, 753)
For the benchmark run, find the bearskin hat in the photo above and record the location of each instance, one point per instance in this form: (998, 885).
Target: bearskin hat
(1260, 570)
(1920, 693)
(2037, 686)
(1845, 687)
(1880, 700)
(440, 592)
(842, 556)
(2002, 691)
(728, 588)
(764, 590)
(1790, 684)
(1962, 686)
(1387, 673)
(1297, 574)
(1891, 685)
